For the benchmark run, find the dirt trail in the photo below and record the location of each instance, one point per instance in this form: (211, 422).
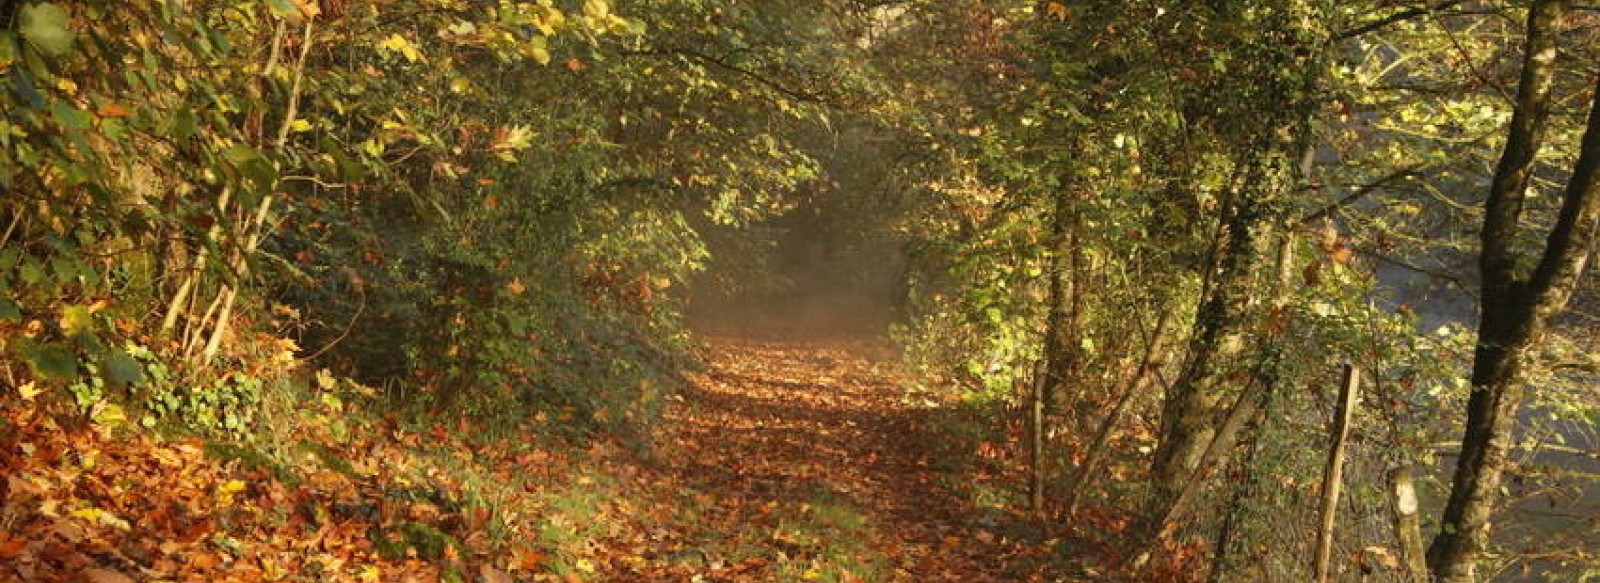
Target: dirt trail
(811, 461)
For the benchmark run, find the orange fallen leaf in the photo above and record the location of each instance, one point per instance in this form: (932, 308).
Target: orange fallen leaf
(12, 549)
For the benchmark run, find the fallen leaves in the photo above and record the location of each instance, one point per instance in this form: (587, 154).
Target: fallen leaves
(782, 461)
(105, 576)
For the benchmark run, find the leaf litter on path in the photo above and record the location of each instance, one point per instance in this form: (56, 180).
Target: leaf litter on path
(778, 462)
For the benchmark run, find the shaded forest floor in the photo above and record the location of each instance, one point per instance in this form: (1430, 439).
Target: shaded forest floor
(791, 461)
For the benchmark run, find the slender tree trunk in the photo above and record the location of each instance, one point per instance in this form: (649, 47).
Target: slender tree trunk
(256, 223)
(1061, 344)
(1137, 380)
(1036, 466)
(1516, 309)
(1233, 517)
(1214, 456)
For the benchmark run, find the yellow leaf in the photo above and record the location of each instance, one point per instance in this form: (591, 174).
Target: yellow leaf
(370, 573)
(300, 125)
(538, 49)
(108, 414)
(101, 517)
(76, 320)
(167, 457)
(308, 8)
(226, 490)
(28, 391)
(271, 570)
(584, 565)
(398, 44)
(325, 380)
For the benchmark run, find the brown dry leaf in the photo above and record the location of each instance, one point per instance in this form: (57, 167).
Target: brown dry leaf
(492, 575)
(1383, 557)
(104, 576)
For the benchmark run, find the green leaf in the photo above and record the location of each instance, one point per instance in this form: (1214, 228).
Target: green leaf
(70, 117)
(53, 360)
(183, 124)
(122, 370)
(32, 274)
(252, 166)
(44, 25)
(10, 311)
(109, 415)
(76, 321)
(8, 48)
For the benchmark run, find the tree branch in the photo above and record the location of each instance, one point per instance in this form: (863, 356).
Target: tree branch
(1361, 192)
(723, 64)
(1397, 17)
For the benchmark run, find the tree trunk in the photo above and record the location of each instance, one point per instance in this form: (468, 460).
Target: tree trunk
(1062, 342)
(1266, 136)
(1516, 309)
(1060, 346)
(1218, 346)
(1214, 456)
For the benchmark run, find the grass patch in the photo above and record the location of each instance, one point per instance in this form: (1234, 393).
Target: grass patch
(573, 518)
(328, 458)
(411, 538)
(826, 539)
(251, 459)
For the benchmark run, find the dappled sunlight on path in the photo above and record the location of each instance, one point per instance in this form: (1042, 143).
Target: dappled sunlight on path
(810, 461)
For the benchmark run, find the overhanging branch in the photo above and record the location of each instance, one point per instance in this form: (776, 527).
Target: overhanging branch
(1397, 17)
(723, 64)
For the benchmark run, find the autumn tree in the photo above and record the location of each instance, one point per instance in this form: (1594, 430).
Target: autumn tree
(1522, 293)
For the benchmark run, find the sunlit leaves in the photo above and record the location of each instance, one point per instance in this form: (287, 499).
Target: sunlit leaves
(508, 141)
(397, 44)
(46, 26)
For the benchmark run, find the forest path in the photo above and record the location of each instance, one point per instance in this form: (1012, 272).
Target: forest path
(810, 461)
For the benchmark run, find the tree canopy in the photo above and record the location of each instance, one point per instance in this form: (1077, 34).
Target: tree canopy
(1126, 250)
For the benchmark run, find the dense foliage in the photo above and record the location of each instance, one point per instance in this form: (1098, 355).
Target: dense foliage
(1141, 238)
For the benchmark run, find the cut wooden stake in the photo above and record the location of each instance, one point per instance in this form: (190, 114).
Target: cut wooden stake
(1333, 474)
(1408, 524)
